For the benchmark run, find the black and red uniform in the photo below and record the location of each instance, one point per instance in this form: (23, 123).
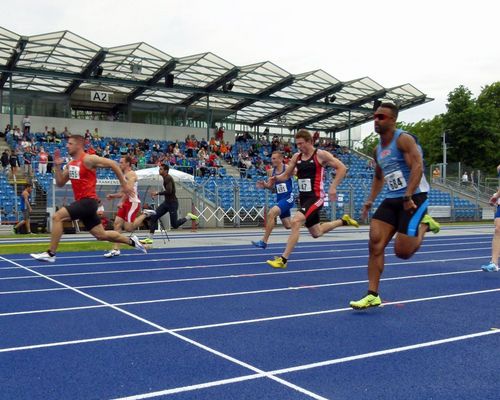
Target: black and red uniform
(83, 180)
(311, 190)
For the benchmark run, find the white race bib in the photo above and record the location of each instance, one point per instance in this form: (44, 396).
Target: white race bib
(281, 188)
(305, 185)
(74, 172)
(395, 181)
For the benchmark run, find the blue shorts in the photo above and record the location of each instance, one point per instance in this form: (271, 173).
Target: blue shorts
(497, 214)
(285, 205)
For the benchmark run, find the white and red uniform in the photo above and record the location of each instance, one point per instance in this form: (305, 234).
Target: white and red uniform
(129, 209)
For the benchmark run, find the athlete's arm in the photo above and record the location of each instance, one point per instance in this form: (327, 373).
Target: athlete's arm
(288, 171)
(62, 175)
(93, 161)
(327, 159)
(407, 145)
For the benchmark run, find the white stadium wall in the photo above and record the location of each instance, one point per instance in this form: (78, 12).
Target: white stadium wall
(114, 128)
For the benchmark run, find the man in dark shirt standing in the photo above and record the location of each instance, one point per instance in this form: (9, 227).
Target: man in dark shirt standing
(170, 205)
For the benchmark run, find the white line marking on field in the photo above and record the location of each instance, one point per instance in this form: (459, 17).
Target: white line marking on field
(298, 253)
(308, 366)
(383, 352)
(232, 276)
(177, 335)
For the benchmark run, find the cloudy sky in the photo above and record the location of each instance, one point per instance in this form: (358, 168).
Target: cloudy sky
(434, 44)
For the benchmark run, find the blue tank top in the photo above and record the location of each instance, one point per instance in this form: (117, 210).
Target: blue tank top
(284, 190)
(395, 170)
(23, 203)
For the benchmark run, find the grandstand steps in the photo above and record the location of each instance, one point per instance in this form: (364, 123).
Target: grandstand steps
(39, 213)
(232, 171)
(464, 193)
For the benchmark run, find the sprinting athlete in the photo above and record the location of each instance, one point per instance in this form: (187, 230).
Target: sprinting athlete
(399, 163)
(129, 206)
(285, 199)
(492, 266)
(81, 171)
(310, 164)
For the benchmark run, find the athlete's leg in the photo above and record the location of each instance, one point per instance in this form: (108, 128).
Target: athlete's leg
(118, 225)
(57, 227)
(273, 213)
(297, 221)
(495, 247)
(381, 234)
(111, 236)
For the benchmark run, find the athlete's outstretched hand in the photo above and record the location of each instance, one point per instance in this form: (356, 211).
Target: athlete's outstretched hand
(409, 205)
(366, 207)
(260, 184)
(58, 160)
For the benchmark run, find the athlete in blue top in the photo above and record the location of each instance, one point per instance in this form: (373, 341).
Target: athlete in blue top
(25, 210)
(399, 163)
(285, 199)
(492, 266)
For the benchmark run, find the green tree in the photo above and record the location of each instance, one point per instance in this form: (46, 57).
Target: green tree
(470, 129)
(369, 143)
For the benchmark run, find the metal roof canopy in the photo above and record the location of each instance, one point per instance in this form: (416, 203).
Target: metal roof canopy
(261, 94)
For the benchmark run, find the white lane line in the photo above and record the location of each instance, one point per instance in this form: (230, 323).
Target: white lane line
(298, 253)
(209, 266)
(308, 366)
(192, 387)
(332, 311)
(80, 341)
(240, 322)
(219, 277)
(177, 335)
(385, 352)
(274, 246)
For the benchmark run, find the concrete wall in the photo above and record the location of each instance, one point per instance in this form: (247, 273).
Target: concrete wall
(114, 128)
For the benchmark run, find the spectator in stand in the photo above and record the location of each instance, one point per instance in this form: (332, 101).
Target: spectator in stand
(176, 150)
(87, 135)
(26, 124)
(50, 163)
(91, 150)
(43, 159)
(141, 161)
(436, 175)
(465, 178)
(316, 139)
(6, 131)
(5, 160)
(220, 134)
(96, 134)
(66, 133)
(18, 136)
(28, 156)
(14, 163)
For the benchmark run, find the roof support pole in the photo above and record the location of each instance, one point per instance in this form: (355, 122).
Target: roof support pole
(11, 108)
(349, 136)
(208, 118)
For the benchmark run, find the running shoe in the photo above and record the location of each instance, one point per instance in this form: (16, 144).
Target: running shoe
(434, 226)
(146, 241)
(112, 253)
(45, 257)
(260, 244)
(349, 221)
(490, 267)
(148, 213)
(277, 262)
(192, 217)
(137, 244)
(368, 301)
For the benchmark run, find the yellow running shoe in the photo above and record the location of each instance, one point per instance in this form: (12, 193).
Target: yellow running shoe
(277, 263)
(434, 226)
(349, 221)
(192, 217)
(146, 241)
(368, 301)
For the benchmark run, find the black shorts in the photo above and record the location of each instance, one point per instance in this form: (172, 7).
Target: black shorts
(392, 212)
(86, 211)
(310, 207)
